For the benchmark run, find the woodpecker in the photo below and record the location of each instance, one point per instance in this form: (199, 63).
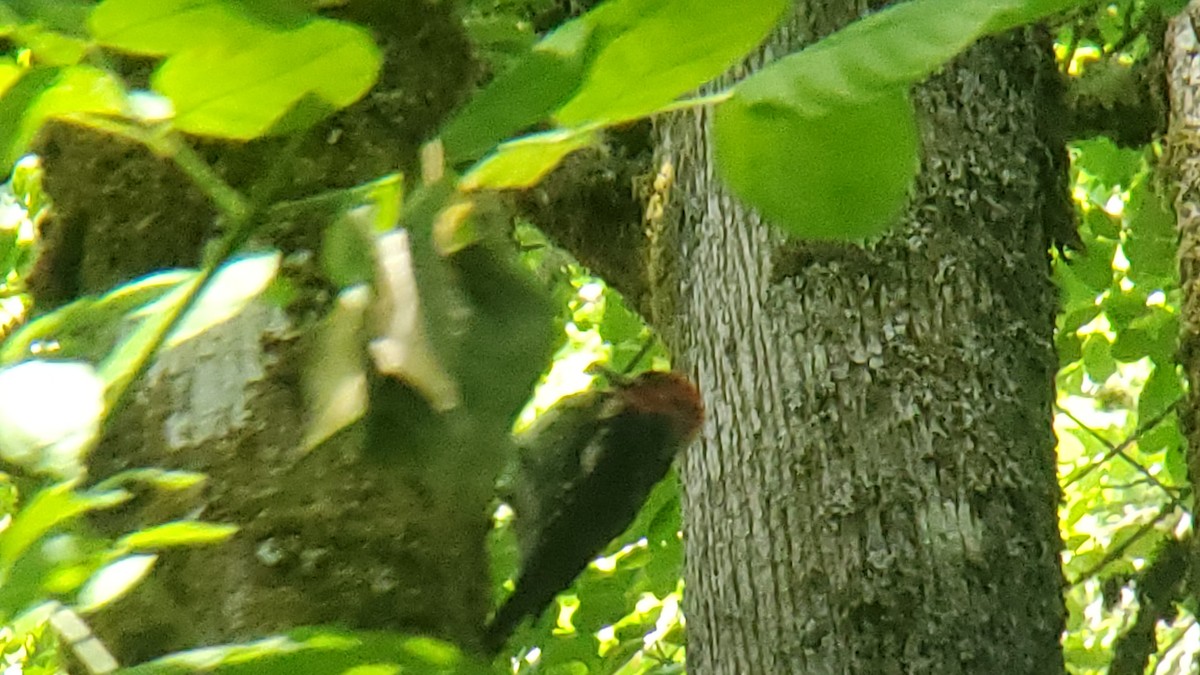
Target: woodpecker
(584, 471)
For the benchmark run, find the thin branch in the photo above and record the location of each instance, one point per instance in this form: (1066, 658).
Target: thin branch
(1115, 450)
(1120, 549)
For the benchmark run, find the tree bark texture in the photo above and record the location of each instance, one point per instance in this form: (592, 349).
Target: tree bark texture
(1182, 162)
(875, 489)
(342, 535)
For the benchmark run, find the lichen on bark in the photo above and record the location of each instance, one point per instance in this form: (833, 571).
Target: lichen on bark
(875, 489)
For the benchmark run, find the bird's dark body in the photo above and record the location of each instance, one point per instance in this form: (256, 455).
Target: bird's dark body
(585, 473)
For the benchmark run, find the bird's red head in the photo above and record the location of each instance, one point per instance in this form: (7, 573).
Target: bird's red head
(669, 395)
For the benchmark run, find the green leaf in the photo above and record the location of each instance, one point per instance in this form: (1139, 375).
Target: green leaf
(42, 93)
(670, 48)
(1152, 241)
(48, 509)
(51, 48)
(823, 142)
(843, 175)
(1029, 11)
(65, 16)
(88, 328)
(523, 162)
(1093, 267)
(1097, 358)
(334, 379)
(1101, 224)
(241, 91)
(228, 292)
(1125, 307)
(1162, 391)
(177, 533)
(160, 479)
(77, 89)
(114, 580)
(528, 93)
(18, 98)
(316, 651)
(163, 27)
(873, 57)
(1102, 166)
(1175, 460)
(348, 248)
(1165, 439)
(584, 68)
(498, 376)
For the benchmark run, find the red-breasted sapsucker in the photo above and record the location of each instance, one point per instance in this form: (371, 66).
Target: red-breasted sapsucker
(584, 471)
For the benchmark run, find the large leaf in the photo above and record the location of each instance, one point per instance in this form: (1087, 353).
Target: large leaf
(835, 176)
(65, 16)
(162, 27)
(871, 57)
(823, 142)
(623, 60)
(41, 93)
(527, 93)
(669, 49)
(89, 327)
(241, 90)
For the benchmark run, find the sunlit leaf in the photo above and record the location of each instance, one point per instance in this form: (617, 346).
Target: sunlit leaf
(666, 47)
(162, 27)
(241, 90)
(48, 509)
(527, 93)
(1161, 392)
(52, 48)
(319, 652)
(228, 292)
(231, 289)
(114, 580)
(50, 414)
(89, 327)
(823, 142)
(178, 533)
(160, 479)
(1097, 358)
(584, 68)
(523, 162)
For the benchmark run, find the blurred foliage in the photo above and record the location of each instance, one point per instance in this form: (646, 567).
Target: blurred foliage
(1122, 456)
(320, 651)
(23, 207)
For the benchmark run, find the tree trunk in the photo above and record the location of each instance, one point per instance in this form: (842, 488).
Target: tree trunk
(1182, 158)
(875, 489)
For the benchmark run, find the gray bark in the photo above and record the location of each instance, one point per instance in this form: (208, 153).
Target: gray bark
(875, 488)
